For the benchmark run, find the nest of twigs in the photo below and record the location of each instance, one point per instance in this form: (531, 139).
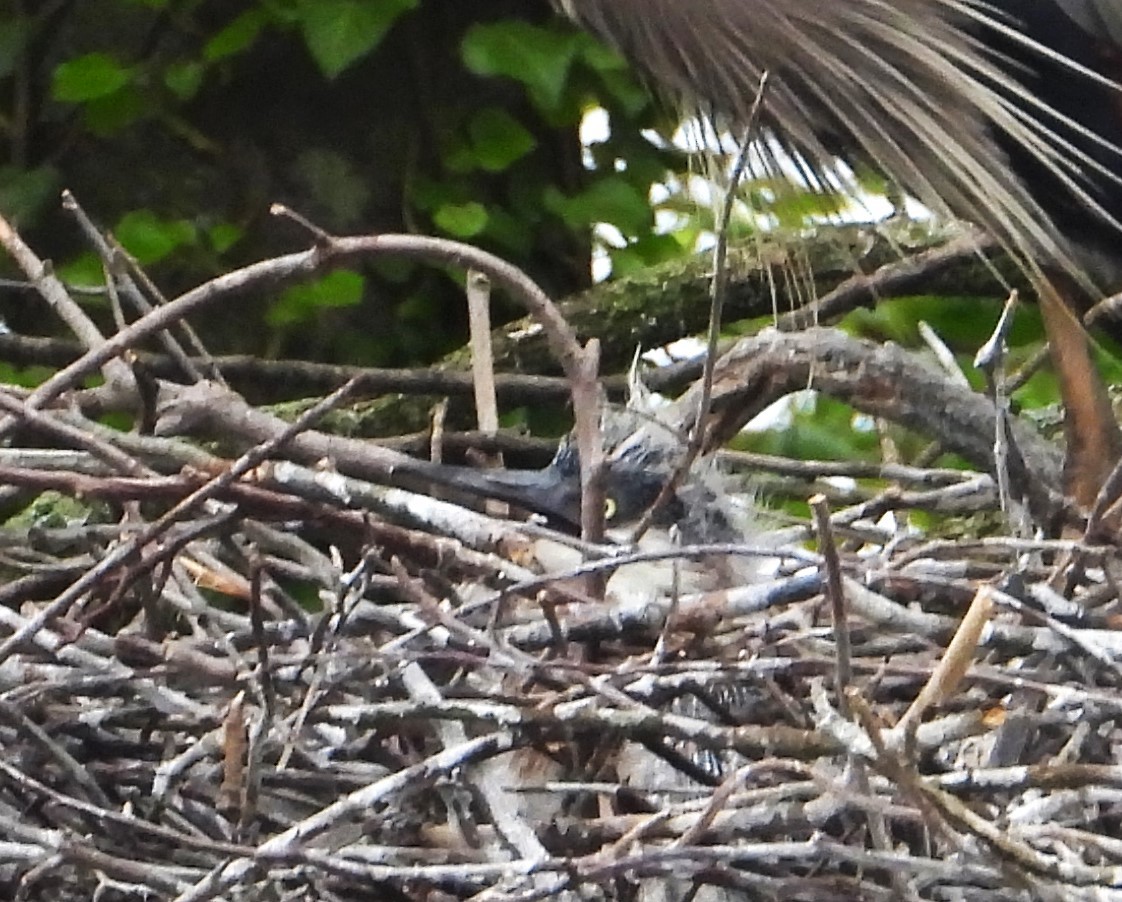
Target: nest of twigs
(287, 673)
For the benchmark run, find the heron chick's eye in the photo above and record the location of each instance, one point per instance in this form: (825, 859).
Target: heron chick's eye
(610, 508)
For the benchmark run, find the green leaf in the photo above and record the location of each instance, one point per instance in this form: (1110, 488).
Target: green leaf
(462, 220)
(537, 57)
(301, 303)
(599, 56)
(88, 77)
(509, 232)
(184, 79)
(224, 235)
(794, 208)
(428, 193)
(612, 199)
(631, 96)
(149, 238)
(338, 32)
(616, 75)
(24, 193)
(498, 139)
(282, 12)
(419, 308)
(822, 429)
(458, 155)
(84, 271)
(236, 37)
(108, 115)
(25, 377)
(964, 323)
(639, 256)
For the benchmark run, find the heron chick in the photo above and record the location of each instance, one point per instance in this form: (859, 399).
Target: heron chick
(642, 452)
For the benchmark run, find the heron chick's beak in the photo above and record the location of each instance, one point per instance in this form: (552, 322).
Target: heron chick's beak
(550, 492)
(633, 484)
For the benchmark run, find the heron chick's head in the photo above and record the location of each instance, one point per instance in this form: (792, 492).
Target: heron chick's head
(641, 458)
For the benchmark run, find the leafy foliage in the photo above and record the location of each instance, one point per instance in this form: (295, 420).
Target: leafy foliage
(179, 122)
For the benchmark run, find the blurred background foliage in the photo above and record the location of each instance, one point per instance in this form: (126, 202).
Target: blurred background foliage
(176, 123)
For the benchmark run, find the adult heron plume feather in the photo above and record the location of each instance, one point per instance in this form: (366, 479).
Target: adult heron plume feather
(930, 91)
